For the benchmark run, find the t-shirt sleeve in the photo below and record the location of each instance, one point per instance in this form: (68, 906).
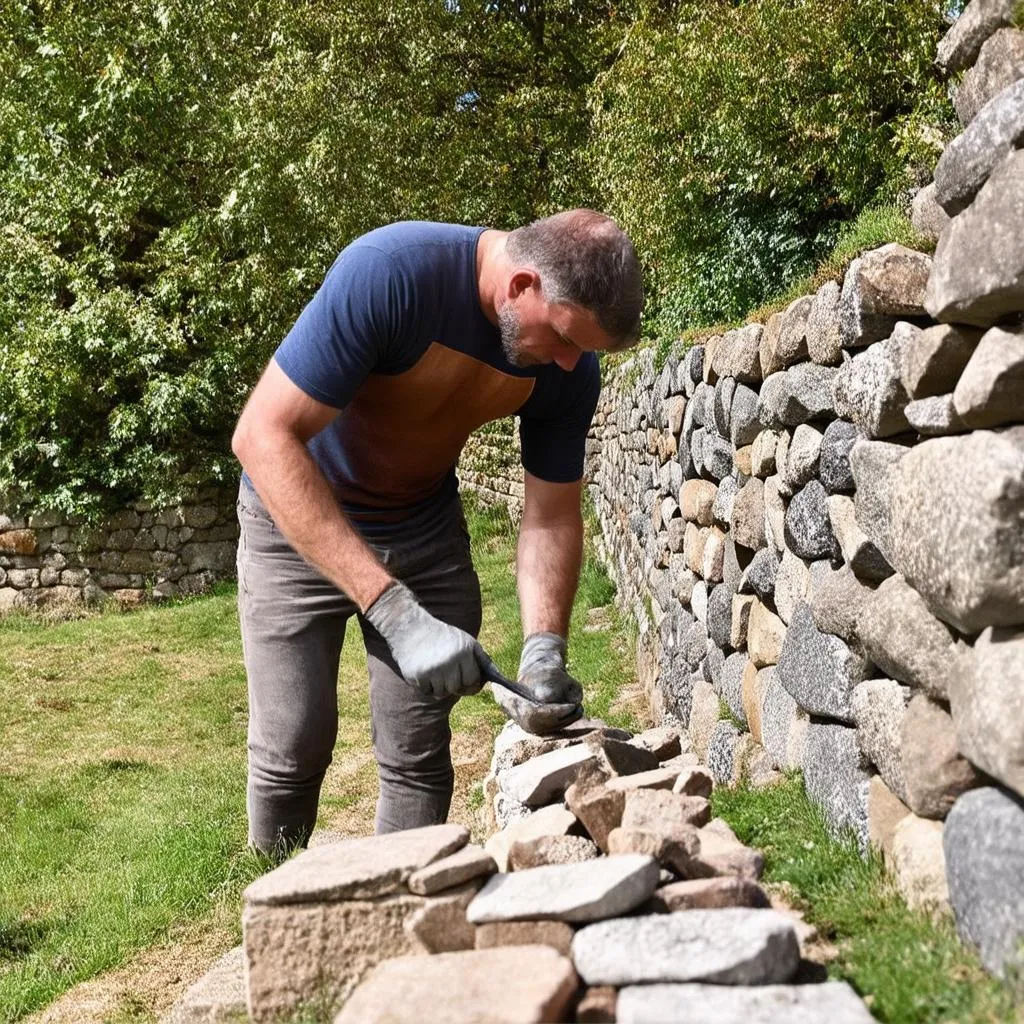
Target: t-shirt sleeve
(350, 327)
(553, 443)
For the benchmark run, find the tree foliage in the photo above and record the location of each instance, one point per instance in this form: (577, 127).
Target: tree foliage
(176, 178)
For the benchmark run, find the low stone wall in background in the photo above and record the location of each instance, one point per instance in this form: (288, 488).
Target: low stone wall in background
(138, 554)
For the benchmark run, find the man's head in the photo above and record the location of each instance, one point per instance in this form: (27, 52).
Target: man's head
(574, 285)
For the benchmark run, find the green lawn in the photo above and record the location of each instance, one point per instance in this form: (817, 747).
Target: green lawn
(122, 769)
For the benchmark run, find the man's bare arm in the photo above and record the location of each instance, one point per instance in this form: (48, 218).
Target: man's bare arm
(270, 442)
(549, 555)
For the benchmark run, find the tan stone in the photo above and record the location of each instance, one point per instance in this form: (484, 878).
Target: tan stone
(919, 864)
(721, 853)
(694, 781)
(673, 847)
(18, 542)
(533, 853)
(505, 985)
(556, 934)
(885, 811)
(662, 741)
(711, 894)
(704, 711)
(693, 546)
(598, 1005)
(597, 807)
(741, 459)
(696, 500)
(661, 810)
(296, 951)
(548, 821)
(470, 862)
(765, 635)
(752, 688)
(440, 925)
(659, 778)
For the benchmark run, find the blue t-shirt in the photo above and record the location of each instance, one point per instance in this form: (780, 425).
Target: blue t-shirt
(396, 340)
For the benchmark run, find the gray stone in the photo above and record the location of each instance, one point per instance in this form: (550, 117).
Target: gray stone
(934, 772)
(693, 365)
(784, 341)
(699, 601)
(904, 639)
(542, 779)
(824, 344)
(721, 757)
(694, 643)
(868, 390)
(617, 757)
(703, 716)
(797, 395)
(935, 416)
(744, 425)
(759, 576)
(881, 287)
(836, 603)
(711, 667)
(984, 845)
(808, 532)
(553, 820)
(738, 354)
(731, 688)
(962, 43)
(834, 459)
(734, 561)
(722, 404)
(588, 891)
(748, 515)
(978, 277)
(988, 705)
(818, 669)
(774, 515)
(716, 456)
(466, 988)
(991, 390)
(702, 404)
(781, 459)
(355, 868)
(969, 564)
(836, 777)
(725, 496)
(733, 946)
(967, 162)
(468, 863)
(779, 713)
(543, 850)
(1000, 63)
(710, 348)
(762, 453)
(873, 464)
(218, 997)
(719, 619)
(802, 457)
(858, 550)
(878, 707)
(833, 1001)
(662, 741)
(927, 218)
(791, 584)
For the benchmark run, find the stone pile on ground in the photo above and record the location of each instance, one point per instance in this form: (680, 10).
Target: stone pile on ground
(818, 523)
(610, 894)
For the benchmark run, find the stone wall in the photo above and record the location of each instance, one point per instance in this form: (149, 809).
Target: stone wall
(490, 468)
(140, 553)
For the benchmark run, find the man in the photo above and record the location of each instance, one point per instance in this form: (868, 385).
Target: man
(349, 503)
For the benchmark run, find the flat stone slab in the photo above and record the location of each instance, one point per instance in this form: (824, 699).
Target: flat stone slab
(466, 988)
(470, 862)
(589, 891)
(356, 868)
(542, 779)
(734, 946)
(219, 995)
(834, 1001)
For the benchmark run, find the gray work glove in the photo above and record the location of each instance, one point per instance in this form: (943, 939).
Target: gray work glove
(542, 671)
(438, 659)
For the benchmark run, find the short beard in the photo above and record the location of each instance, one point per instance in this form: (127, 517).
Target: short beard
(508, 325)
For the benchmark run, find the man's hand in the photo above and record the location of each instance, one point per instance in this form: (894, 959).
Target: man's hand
(542, 671)
(438, 659)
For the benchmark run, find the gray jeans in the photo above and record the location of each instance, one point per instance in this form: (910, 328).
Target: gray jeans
(293, 625)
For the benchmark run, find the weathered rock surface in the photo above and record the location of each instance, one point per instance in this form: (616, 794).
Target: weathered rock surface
(1000, 63)
(904, 639)
(616, 757)
(833, 1001)
(544, 850)
(969, 565)
(468, 863)
(731, 946)
(554, 820)
(672, 848)
(726, 752)
(738, 354)
(824, 344)
(978, 275)
(932, 364)
(703, 716)
(808, 530)
(473, 987)
(556, 934)
(858, 550)
(218, 997)
(919, 864)
(983, 841)
(779, 715)
(967, 162)
(990, 391)
(710, 894)
(762, 453)
(928, 219)
(797, 395)
(873, 464)
(589, 891)
(935, 416)
(774, 514)
(759, 576)
(878, 709)
(819, 670)
(542, 779)
(885, 812)
(440, 925)
(836, 601)
(868, 390)
(987, 697)
(765, 635)
(784, 341)
(791, 583)
(744, 425)
(836, 777)
(834, 459)
(963, 42)
(665, 810)
(597, 807)
(730, 687)
(356, 868)
(748, 515)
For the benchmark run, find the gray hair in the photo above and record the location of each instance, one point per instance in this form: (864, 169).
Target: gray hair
(586, 259)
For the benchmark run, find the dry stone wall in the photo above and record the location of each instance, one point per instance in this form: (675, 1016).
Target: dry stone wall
(140, 553)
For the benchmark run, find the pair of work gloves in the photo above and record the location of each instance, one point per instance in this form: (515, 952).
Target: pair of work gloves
(441, 660)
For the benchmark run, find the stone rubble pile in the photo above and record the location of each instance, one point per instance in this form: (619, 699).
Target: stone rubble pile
(818, 523)
(610, 894)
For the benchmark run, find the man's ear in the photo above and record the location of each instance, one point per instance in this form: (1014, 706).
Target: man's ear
(522, 280)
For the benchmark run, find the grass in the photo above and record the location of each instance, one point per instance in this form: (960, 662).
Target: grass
(122, 772)
(910, 969)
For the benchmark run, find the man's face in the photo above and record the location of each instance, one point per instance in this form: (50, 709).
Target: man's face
(535, 332)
